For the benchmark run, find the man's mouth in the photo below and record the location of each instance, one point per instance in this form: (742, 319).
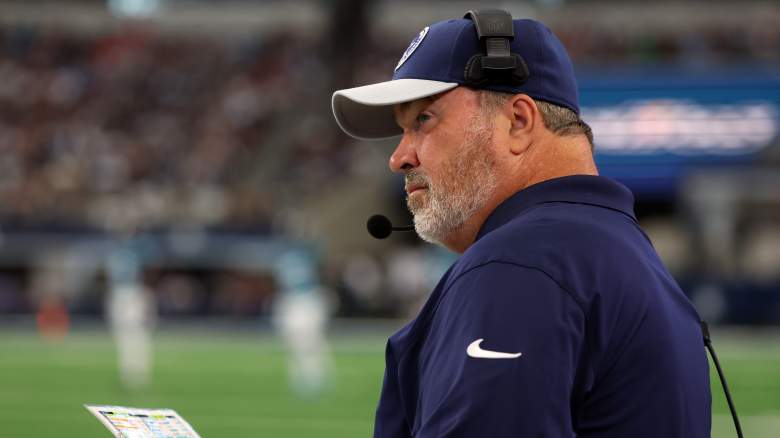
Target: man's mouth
(411, 188)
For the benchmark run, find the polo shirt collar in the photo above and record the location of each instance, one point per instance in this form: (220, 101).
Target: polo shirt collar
(578, 189)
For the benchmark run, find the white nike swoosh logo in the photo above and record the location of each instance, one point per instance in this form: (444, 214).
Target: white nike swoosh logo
(474, 350)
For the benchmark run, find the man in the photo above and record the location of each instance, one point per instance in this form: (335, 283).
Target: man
(559, 319)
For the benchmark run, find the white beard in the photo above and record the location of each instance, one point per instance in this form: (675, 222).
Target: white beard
(468, 180)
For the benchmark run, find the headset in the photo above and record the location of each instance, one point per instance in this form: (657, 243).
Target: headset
(498, 65)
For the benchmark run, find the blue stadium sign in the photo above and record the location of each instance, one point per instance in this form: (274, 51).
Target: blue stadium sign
(652, 128)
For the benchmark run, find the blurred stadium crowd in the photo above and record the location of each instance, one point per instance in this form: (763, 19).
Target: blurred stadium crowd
(135, 127)
(139, 131)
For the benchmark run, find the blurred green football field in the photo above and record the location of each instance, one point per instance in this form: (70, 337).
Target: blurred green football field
(234, 384)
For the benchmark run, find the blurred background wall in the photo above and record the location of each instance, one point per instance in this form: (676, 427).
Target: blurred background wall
(194, 125)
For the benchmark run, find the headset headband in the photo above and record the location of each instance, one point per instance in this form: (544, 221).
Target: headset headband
(495, 31)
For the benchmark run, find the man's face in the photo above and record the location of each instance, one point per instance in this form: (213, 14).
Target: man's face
(448, 161)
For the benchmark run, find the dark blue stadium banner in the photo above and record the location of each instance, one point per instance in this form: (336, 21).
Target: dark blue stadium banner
(652, 127)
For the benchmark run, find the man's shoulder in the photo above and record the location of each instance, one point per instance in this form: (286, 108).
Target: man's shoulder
(575, 245)
(556, 229)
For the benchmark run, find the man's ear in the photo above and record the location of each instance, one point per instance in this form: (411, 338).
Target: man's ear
(524, 118)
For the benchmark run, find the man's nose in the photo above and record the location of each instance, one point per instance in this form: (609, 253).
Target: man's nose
(405, 156)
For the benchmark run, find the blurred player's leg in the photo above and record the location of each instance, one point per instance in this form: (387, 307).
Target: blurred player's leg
(130, 312)
(301, 318)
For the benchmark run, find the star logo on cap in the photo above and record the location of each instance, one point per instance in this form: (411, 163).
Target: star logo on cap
(412, 47)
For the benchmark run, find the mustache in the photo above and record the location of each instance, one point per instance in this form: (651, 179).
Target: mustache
(416, 178)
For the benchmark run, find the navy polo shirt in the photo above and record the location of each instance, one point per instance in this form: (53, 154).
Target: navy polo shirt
(559, 321)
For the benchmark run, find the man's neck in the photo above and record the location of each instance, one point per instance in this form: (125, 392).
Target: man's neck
(549, 166)
(462, 238)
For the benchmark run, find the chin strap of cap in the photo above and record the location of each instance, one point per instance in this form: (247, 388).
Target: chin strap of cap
(498, 65)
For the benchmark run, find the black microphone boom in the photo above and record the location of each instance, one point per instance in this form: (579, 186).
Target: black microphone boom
(380, 226)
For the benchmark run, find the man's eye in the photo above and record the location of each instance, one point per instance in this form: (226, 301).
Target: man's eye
(422, 118)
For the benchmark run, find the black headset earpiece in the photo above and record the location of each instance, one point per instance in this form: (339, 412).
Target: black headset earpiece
(498, 65)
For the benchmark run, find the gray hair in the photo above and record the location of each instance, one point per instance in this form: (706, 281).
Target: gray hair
(558, 119)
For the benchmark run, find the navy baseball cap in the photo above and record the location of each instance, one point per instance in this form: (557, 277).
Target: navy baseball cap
(435, 62)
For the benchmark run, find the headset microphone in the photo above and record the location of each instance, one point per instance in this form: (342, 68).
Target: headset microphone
(380, 226)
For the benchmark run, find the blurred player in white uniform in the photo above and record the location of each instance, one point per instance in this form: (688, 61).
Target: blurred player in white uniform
(300, 317)
(132, 313)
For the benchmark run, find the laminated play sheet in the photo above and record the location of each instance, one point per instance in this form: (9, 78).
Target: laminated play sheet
(126, 422)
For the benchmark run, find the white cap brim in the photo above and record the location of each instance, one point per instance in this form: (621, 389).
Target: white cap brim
(366, 112)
